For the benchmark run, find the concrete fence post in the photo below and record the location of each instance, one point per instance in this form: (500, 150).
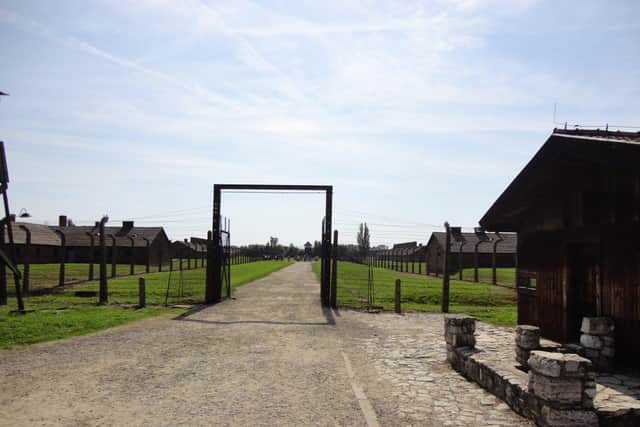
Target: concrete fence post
(26, 260)
(63, 256)
(398, 307)
(92, 254)
(113, 255)
(132, 259)
(142, 293)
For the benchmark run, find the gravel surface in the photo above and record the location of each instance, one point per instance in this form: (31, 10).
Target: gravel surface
(271, 356)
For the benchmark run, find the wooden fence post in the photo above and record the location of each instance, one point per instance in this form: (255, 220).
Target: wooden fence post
(397, 297)
(142, 293)
(445, 276)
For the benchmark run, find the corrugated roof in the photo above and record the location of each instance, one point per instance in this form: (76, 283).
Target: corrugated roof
(40, 234)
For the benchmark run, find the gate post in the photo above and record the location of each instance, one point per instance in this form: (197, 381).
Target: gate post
(334, 271)
(214, 261)
(327, 245)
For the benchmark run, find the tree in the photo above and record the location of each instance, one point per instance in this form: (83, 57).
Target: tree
(363, 240)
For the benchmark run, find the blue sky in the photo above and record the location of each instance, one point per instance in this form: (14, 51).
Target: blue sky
(416, 112)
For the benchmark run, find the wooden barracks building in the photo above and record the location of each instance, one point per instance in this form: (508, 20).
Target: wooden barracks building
(576, 209)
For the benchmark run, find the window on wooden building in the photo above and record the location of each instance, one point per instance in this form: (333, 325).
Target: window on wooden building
(527, 279)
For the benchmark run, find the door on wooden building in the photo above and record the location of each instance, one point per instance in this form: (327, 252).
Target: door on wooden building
(583, 294)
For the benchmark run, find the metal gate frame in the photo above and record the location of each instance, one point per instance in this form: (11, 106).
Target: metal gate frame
(215, 249)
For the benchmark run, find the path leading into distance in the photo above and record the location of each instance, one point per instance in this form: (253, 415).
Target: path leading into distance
(271, 356)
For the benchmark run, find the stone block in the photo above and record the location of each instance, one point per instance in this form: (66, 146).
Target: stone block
(561, 391)
(608, 351)
(522, 356)
(591, 354)
(460, 340)
(558, 364)
(459, 324)
(528, 337)
(568, 418)
(597, 325)
(591, 341)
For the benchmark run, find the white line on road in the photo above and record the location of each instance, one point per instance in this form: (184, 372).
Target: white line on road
(365, 405)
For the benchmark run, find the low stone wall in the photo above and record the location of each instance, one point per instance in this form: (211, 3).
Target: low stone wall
(560, 387)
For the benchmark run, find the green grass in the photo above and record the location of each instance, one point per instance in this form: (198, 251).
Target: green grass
(487, 302)
(46, 275)
(504, 276)
(62, 314)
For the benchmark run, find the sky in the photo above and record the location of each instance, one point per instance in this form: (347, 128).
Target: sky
(416, 112)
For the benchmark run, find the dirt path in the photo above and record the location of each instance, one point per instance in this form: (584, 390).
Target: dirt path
(272, 356)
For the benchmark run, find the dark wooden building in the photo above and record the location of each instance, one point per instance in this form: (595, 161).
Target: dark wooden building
(191, 250)
(144, 243)
(576, 208)
(44, 247)
(466, 246)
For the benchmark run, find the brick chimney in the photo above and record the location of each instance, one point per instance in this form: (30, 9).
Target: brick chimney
(62, 221)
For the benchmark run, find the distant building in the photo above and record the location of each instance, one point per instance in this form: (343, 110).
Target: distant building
(463, 248)
(143, 243)
(308, 250)
(45, 243)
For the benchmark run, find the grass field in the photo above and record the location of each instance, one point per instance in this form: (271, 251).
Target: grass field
(504, 276)
(46, 275)
(487, 302)
(62, 314)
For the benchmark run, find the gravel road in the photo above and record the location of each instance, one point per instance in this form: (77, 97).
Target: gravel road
(271, 356)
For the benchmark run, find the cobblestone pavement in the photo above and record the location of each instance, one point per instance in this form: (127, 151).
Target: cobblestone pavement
(408, 351)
